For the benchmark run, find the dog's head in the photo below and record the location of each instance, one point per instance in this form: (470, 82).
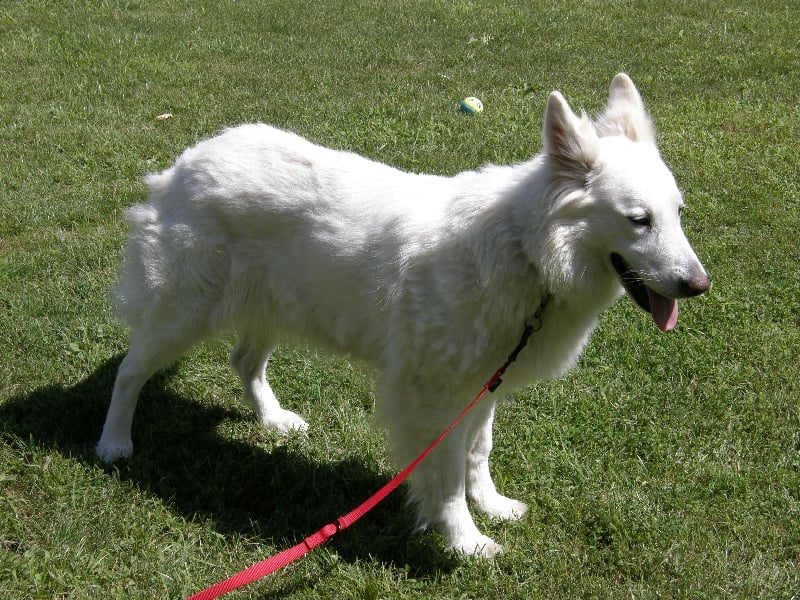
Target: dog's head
(618, 203)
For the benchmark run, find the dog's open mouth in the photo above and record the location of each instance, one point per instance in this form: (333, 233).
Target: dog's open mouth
(664, 310)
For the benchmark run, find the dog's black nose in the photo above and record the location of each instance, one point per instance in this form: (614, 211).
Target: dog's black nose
(697, 285)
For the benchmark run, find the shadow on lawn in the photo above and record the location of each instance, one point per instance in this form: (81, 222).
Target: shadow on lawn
(278, 495)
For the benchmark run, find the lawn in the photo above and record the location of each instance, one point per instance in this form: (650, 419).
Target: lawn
(663, 466)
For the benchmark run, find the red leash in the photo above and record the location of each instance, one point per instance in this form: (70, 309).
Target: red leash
(273, 563)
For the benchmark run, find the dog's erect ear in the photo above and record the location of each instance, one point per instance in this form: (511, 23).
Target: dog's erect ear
(622, 89)
(625, 113)
(568, 139)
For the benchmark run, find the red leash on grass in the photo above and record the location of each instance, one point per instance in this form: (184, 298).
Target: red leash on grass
(280, 560)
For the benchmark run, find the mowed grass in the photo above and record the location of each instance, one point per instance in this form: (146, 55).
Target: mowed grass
(663, 466)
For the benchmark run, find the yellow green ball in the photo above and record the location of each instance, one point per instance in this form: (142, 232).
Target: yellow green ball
(471, 105)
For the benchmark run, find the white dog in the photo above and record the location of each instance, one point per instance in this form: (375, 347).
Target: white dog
(432, 279)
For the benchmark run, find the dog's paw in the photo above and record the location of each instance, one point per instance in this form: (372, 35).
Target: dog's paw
(500, 508)
(286, 422)
(109, 451)
(480, 546)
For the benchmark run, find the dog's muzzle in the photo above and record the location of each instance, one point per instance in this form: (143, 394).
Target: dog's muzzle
(664, 309)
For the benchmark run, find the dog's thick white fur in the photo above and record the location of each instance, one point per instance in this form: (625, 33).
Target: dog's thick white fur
(429, 278)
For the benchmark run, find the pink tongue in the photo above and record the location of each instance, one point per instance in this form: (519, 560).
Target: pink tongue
(664, 310)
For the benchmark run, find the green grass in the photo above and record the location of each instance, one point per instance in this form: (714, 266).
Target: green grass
(663, 466)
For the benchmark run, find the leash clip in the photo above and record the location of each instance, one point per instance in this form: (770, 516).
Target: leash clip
(532, 326)
(535, 322)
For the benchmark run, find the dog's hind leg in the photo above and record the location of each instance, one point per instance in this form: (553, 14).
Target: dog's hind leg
(480, 487)
(249, 359)
(152, 347)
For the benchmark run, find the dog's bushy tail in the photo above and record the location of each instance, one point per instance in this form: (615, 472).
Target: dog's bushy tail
(171, 271)
(142, 275)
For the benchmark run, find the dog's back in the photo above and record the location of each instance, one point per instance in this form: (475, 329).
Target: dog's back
(259, 225)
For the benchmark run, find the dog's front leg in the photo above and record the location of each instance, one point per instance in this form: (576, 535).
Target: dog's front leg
(480, 487)
(438, 489)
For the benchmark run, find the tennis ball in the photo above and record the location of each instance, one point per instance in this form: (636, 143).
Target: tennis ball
(471, 106)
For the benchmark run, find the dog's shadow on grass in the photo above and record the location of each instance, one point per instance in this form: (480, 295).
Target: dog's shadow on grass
(281, 495)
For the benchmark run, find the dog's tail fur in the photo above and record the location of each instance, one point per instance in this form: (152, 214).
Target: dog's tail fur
(154, 274)
(140, 275)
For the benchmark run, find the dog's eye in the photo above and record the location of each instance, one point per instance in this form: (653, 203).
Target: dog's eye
(641, 220)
